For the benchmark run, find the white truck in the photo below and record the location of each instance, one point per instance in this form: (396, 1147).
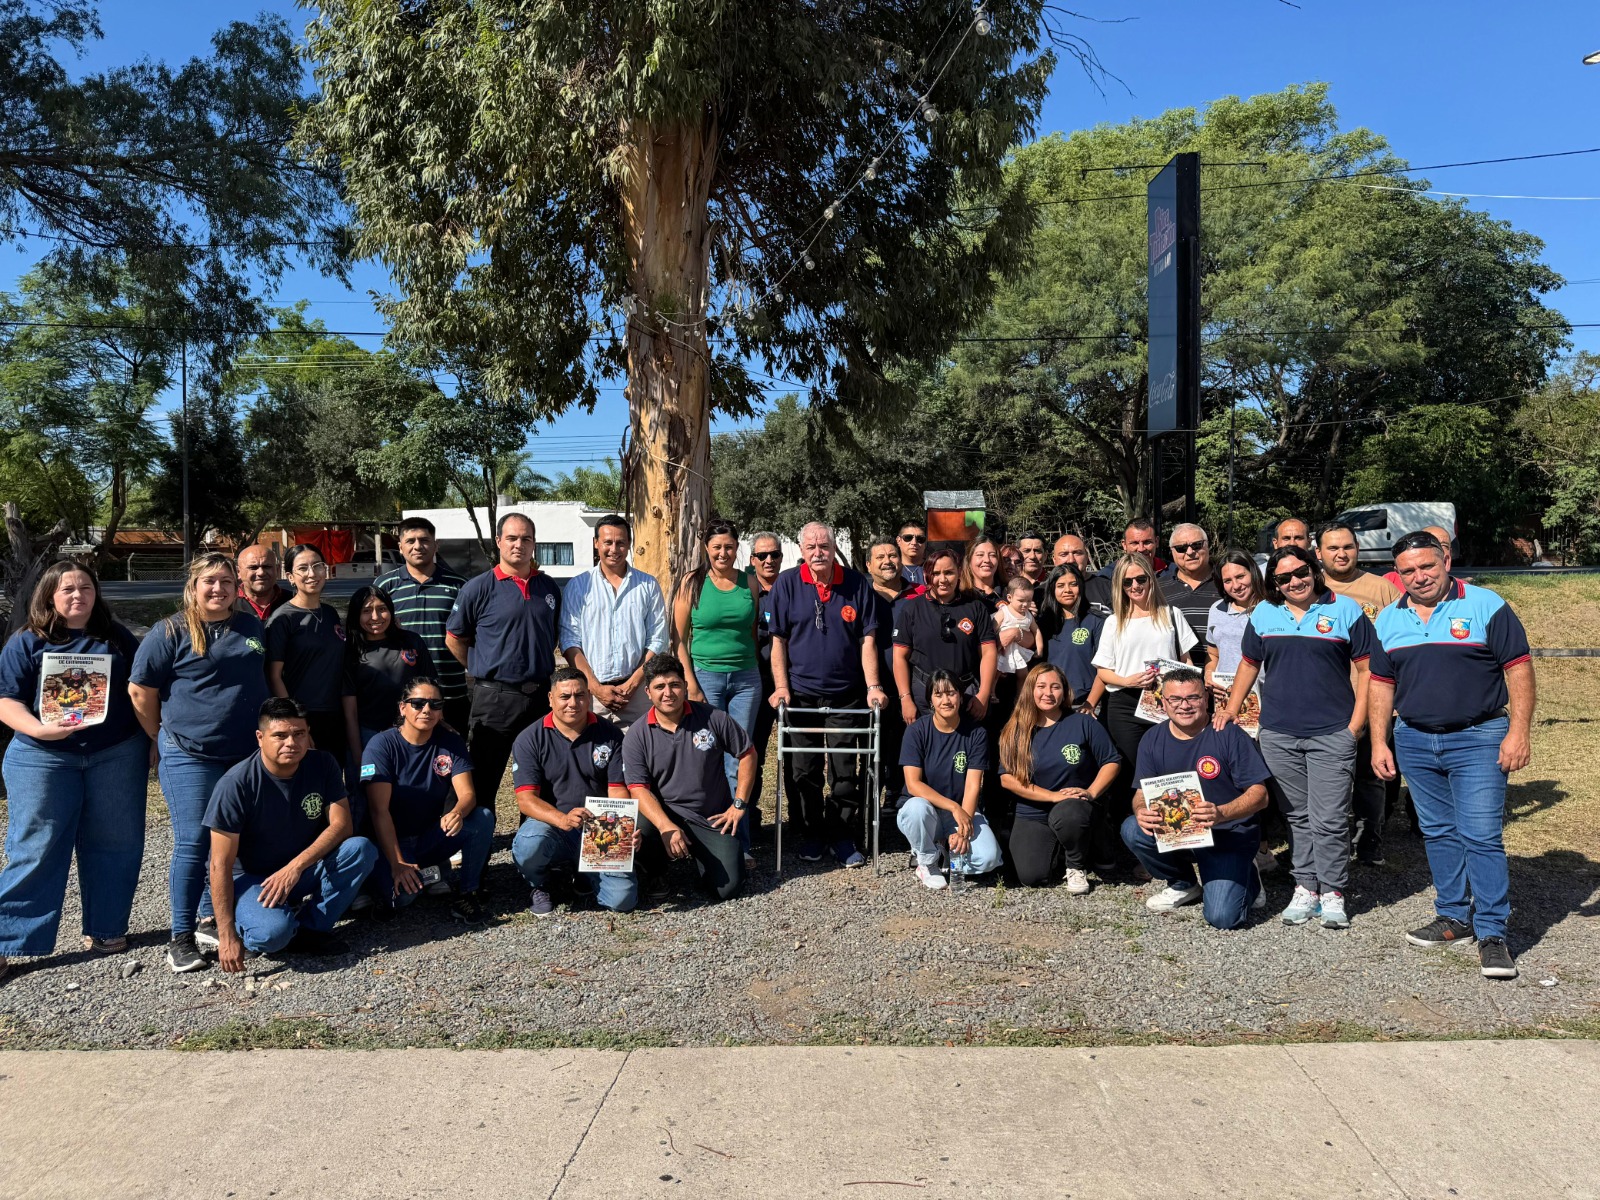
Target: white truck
(1378, 526)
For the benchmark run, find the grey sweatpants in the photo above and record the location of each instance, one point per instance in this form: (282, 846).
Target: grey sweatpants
(1314, 777)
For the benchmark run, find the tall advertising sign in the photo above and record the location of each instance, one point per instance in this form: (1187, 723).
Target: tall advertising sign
(1174, 335)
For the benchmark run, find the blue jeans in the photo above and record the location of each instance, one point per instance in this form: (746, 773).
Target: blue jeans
(60, 802)
(928, 829)
(538, 847)
(317, 902)
(186, 784)
(1459, 792)
(433, 849)
(736, 693)
(1227, 870)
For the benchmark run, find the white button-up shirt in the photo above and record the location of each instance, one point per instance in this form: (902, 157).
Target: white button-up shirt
(614, 627)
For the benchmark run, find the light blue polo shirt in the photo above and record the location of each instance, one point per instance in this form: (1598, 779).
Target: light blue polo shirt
(1305, 687)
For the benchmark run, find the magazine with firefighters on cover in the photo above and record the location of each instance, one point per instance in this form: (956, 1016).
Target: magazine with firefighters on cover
(608, 830)
(1249, 718)
(1174, 797)
(74, 689)
(1150, 707)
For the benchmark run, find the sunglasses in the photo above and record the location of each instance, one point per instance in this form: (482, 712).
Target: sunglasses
(767, 554)
(822, 623)
(1129, 581)
(1287, 576)
(417, 704)
(912, 537)
(1188, 547)
(947, 628)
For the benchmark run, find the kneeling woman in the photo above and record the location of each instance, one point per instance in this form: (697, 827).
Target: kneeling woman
(418, 779)
(1058, 764)
(945, 755)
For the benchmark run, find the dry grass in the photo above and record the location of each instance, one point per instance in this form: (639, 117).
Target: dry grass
(1555, 803)
(1559, 611)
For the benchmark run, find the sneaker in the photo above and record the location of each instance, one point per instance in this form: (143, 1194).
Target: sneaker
(653, 889)
(1303, 905)
(439, 887)
(1495, 959)
(1174, 895)
(539, 903)
(1103, 869)
(810, 852)
(1372, 859)
(848, 855)
(1442, 931)
(1260, 901)
(749, 862)
(316, 943)
(205, 934)
(1077, 881)
(184, 956)
(468, 910)
(1333, 914)
(96, 945)
(932, 878)
(1266, 861)
(361, 903)
(582, 886)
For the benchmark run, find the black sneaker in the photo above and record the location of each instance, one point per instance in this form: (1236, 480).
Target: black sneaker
(205, 934)
(184, 956)
(467, 910)
(316, 943)
(1441, 931)
(810, 852)
(1494, 958)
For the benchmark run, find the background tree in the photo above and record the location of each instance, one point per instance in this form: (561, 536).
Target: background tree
(593, 487)
(754, 167)
(1560, 432)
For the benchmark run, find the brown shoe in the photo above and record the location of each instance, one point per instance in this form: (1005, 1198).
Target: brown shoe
(116, 945)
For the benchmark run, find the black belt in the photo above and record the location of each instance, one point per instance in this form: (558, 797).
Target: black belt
(531, 688)
(1458, 727)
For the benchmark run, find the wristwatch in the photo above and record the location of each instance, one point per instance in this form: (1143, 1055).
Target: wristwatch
(738, 804)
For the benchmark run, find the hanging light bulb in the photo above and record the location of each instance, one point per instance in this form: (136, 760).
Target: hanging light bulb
(830, 212)
(811, 263)
(981, 21)
(872, 169)
(928, 112)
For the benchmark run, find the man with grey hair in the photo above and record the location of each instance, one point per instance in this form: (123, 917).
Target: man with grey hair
(824, 655)
(1190, 587)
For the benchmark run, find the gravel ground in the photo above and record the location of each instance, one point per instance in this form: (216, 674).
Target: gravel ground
(829, 955)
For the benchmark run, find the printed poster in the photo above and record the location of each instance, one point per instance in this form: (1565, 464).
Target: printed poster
(607, 844)
(1249, 718)
(1150, 706)
(74, 689)
(1174, 797)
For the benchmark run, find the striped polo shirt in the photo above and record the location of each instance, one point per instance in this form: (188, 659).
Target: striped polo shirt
(423, 609)
(1305, 683)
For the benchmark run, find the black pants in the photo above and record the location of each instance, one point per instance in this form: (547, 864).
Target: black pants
(891, 733)
(1039, 849)
(718, 858)
(835, 818)
(999, 804)
(497, 717)
(1126, 732)
(458, 713)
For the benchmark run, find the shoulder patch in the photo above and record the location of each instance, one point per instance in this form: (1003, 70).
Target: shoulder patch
(368, 770)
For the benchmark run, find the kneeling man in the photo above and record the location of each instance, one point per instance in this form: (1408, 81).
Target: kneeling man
(673, 763)
(284, 866)
(1233, 782)
(556, 763)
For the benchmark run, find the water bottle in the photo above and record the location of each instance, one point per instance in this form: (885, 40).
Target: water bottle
(960, 869)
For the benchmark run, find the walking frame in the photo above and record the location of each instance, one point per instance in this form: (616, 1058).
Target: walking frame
(872, 730)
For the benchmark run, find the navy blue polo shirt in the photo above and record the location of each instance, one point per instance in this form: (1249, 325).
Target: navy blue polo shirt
(564, 773)
(21, 663)
(886, 613)
(1227, 761)
(683, 767)
(945, 758)
(421, 778)
(1451, 670)
(944, 637)
(275, 819)
(309, 642)
(377, 672)
(512, 624)
(1073, 648)
(825, 661)
(1067, 754)
(210, 703)
(1305, 684)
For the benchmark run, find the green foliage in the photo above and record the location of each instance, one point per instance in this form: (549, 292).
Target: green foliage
(594, 487)
(1560, 433)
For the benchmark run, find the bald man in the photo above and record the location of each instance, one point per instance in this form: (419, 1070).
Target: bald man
(1292, 531)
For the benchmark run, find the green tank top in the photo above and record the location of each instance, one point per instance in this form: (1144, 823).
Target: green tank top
(723, 628)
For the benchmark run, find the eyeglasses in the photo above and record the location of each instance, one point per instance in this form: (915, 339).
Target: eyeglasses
(417, 704)
(313, 569)
(1129, 581)
(1287, 576)
(912, 537)
(1184, 701)
(1188, 547)
(765, 555)
(822, 623)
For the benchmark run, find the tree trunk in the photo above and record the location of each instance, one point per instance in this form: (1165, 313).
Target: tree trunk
(24, 561)
(666, 467)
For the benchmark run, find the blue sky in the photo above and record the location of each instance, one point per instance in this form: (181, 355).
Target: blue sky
(1442, 82)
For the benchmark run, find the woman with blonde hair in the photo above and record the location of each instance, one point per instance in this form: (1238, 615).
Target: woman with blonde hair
(198, 684)
(1059, 764)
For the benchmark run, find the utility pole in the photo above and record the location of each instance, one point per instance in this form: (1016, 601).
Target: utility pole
(188, 544)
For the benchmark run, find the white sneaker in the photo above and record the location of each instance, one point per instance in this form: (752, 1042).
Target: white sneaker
(1266, 861)
(1303, 905)
(1260, 901)
(1332, 911)
(1077, 881)
(932, 877)
(1171, 897)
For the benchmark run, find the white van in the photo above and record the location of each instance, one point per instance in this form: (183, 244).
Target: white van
(1378, 526)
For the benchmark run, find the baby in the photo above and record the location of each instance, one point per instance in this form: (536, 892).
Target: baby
(1019, 633)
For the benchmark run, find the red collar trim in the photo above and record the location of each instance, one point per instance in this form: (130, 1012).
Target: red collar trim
(824, 590)
(523, 585)
(650, 717)
(550, 720)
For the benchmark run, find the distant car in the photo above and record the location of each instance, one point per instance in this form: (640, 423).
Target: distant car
(1378, 526)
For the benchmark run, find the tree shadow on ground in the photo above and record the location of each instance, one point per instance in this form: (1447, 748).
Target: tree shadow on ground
(1530, 797)
(1547, 888)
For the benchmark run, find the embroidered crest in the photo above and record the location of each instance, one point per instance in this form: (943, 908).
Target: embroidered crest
(409, 657)
(1080, 636)
(965, 625)
(1371, 610)
(312, 805)
(1208, 767)
(338, 632)
(1073, 754)
(601, 754)
(848, 612)
(256, 644)
(704, 739)
(369, 770)
(1324, 624)
(442, 764)
(960, 762)
(1460, 628)
(550, 601)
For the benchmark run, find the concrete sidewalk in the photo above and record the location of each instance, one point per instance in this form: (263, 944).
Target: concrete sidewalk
(1448, 1119)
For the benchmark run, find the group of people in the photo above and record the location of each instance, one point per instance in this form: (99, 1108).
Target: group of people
(313, 760)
